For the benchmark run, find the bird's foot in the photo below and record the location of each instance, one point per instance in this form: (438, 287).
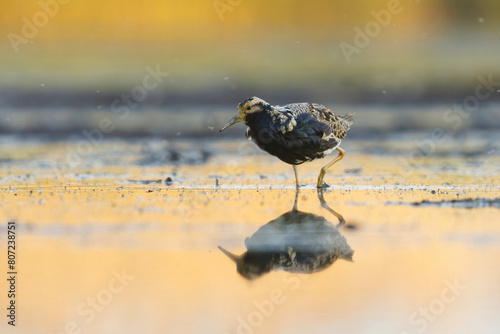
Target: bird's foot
(324, 185)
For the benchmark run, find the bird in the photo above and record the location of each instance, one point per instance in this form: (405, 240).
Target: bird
(294, 133)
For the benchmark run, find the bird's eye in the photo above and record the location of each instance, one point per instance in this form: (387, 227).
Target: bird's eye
(248, 108)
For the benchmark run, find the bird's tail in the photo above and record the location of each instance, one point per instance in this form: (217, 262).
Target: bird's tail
(348, 119)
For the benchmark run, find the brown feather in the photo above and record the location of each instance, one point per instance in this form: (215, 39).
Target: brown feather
(340, 124)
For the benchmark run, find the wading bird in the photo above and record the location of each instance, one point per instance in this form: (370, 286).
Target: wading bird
(295, 133)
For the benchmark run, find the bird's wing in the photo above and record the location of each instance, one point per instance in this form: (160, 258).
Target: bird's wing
(309, 136)
(339, 124)
(296, 139)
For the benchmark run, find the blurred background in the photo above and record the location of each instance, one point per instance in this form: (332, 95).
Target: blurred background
(64, 63)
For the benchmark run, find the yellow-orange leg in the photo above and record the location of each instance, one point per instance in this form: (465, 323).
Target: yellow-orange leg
(324, 169)
(296, 199)
(296, 176)
(326, 206)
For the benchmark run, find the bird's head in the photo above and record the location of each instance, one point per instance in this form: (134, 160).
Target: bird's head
(251, 105)
(245, 265)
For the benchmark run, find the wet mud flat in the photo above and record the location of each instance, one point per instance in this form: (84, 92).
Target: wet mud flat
(417, 250)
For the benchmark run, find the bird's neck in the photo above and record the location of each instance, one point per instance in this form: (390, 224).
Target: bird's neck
(258, 120)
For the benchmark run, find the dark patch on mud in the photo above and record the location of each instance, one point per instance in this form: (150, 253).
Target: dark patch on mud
(84, 230)
(175, 157)
(168, 181)
(353, 171)
(351, 227)
(144, 182)
(468, 203)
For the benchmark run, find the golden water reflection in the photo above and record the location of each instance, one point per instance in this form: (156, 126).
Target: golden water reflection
(296, 242)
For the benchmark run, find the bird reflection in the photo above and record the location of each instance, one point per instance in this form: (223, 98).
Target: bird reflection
(296, 242)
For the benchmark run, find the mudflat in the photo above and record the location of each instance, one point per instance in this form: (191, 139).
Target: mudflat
(128, 235)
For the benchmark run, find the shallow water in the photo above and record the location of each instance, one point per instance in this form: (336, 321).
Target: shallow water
(108, 245)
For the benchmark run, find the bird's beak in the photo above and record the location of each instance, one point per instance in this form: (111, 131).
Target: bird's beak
(233, 257)
(234, 120)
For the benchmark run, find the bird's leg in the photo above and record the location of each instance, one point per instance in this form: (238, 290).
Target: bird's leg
(327, 207)
(296, 176)
(324, 169)
(296, 199)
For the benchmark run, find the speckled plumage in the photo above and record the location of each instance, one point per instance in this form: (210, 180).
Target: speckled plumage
(339, 124)
(295, 133)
